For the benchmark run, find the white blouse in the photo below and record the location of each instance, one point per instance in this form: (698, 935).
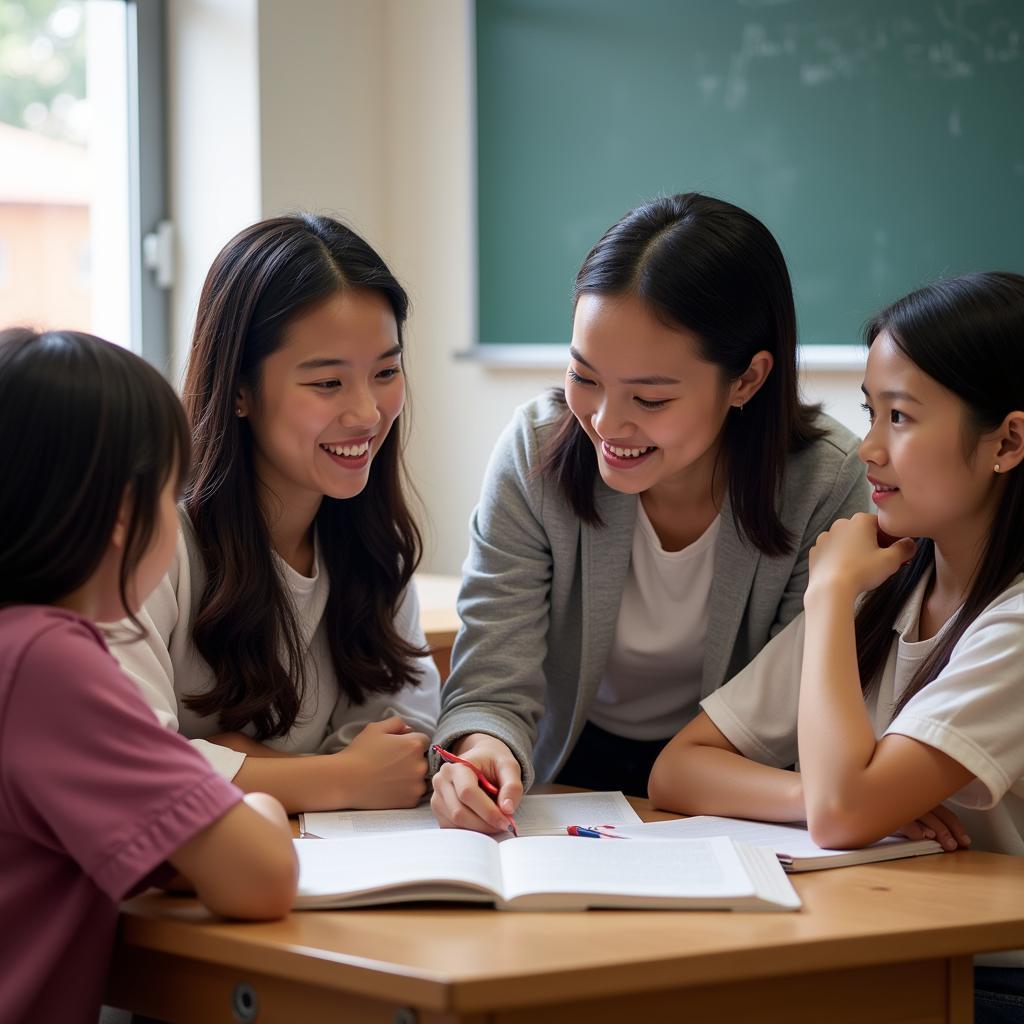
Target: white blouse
(167, 667)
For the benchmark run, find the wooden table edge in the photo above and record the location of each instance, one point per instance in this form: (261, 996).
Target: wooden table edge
(447, 992)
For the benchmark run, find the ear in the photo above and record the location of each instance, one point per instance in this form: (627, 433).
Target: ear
(124, 515)
(242, 399)
(749, 382)
(1010, 436)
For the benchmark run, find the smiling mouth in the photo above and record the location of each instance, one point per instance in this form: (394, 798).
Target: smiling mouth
(348, 451)
(627, 453)
(883, 489)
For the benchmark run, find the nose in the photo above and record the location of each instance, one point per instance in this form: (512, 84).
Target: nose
(611, 418)
(360, 410)
(871, 449)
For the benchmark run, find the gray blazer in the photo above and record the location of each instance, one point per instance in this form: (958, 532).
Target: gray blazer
(541, 590)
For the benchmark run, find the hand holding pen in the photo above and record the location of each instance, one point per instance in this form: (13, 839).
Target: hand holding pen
(479, 788)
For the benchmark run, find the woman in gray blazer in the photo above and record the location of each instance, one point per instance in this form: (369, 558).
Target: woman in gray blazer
(643, 534)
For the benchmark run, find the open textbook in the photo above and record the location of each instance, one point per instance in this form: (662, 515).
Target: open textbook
(536, 815)
(541, 873)
(792, 844)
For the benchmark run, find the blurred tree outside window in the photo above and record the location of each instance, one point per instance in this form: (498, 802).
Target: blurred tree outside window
(64, 166)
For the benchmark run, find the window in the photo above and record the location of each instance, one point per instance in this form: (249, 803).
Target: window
(81, 137)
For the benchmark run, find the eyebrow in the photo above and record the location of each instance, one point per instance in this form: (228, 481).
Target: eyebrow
(651, 381)
(319, 364)
(893, 396)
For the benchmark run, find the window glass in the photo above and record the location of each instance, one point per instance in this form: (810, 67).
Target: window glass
(64, 166)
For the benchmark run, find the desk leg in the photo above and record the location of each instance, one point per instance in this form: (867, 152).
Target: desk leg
(961, 989)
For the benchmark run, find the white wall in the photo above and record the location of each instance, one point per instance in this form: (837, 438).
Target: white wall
(213, 141)
(323, 74)
(366, 110)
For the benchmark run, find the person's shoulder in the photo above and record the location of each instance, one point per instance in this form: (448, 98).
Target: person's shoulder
(1000, 622)
(46, 627)
(541, 416)
(1009, 604)
(41, 643)
(530, 429)
(835, 441)
(822, 460)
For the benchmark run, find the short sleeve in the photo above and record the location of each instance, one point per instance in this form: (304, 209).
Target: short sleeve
(973, 711)
(757, 709)
(148, 662)
(89, 771)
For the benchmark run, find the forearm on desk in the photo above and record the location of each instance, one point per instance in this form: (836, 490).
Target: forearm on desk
(313, 783)
(246, 745)
(710, 780)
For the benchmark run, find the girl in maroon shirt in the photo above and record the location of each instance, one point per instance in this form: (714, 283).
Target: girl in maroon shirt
(97, 800)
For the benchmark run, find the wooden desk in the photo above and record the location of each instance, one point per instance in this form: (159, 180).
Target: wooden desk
(438, 617)
(878, 943)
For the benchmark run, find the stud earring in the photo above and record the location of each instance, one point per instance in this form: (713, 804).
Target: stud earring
(996, 467)
(238, 412)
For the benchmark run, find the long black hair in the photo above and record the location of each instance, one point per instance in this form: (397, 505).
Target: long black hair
(709, 267)
(83, 425)
(966, 333)
(266, 277)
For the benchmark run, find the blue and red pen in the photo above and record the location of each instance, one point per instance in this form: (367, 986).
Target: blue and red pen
(591, 833)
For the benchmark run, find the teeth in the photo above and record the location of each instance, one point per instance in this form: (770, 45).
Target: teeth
(628, 453)
(347, 450)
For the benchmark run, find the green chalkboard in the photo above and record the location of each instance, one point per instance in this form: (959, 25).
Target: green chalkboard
(882, 141)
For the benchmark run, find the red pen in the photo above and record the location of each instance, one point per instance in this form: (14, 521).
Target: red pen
(485, 783)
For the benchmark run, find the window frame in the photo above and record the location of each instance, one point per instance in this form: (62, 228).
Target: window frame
(149, 224)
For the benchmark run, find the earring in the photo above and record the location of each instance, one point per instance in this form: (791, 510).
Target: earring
(238, 412)
(996, 467)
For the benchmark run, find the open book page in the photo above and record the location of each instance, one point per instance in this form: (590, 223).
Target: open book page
(450, 864)
(346, 824)
(540, 872)
(708, 872)
(541, 813)
(792, 843)
(548, 811)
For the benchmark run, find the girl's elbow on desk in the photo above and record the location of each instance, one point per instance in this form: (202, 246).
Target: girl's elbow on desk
(667, 786)
(841, 827)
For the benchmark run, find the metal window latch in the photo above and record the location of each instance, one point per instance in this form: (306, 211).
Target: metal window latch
(158, 253)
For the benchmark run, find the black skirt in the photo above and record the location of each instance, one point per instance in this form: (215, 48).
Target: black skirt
(602, 760)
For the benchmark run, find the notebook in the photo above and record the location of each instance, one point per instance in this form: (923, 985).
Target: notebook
(540, 873)
(791, 843)
(540, 814)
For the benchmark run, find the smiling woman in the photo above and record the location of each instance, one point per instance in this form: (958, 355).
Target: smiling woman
(288, 623)
(642, 534)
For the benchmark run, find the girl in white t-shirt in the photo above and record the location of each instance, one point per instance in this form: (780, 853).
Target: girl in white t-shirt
(288, 624)
(912, 696)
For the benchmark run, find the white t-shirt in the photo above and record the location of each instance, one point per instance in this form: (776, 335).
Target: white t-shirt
(973, 712)
(167, 667)
(651, 684)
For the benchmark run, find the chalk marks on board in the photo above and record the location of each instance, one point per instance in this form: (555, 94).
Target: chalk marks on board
(951, 40)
